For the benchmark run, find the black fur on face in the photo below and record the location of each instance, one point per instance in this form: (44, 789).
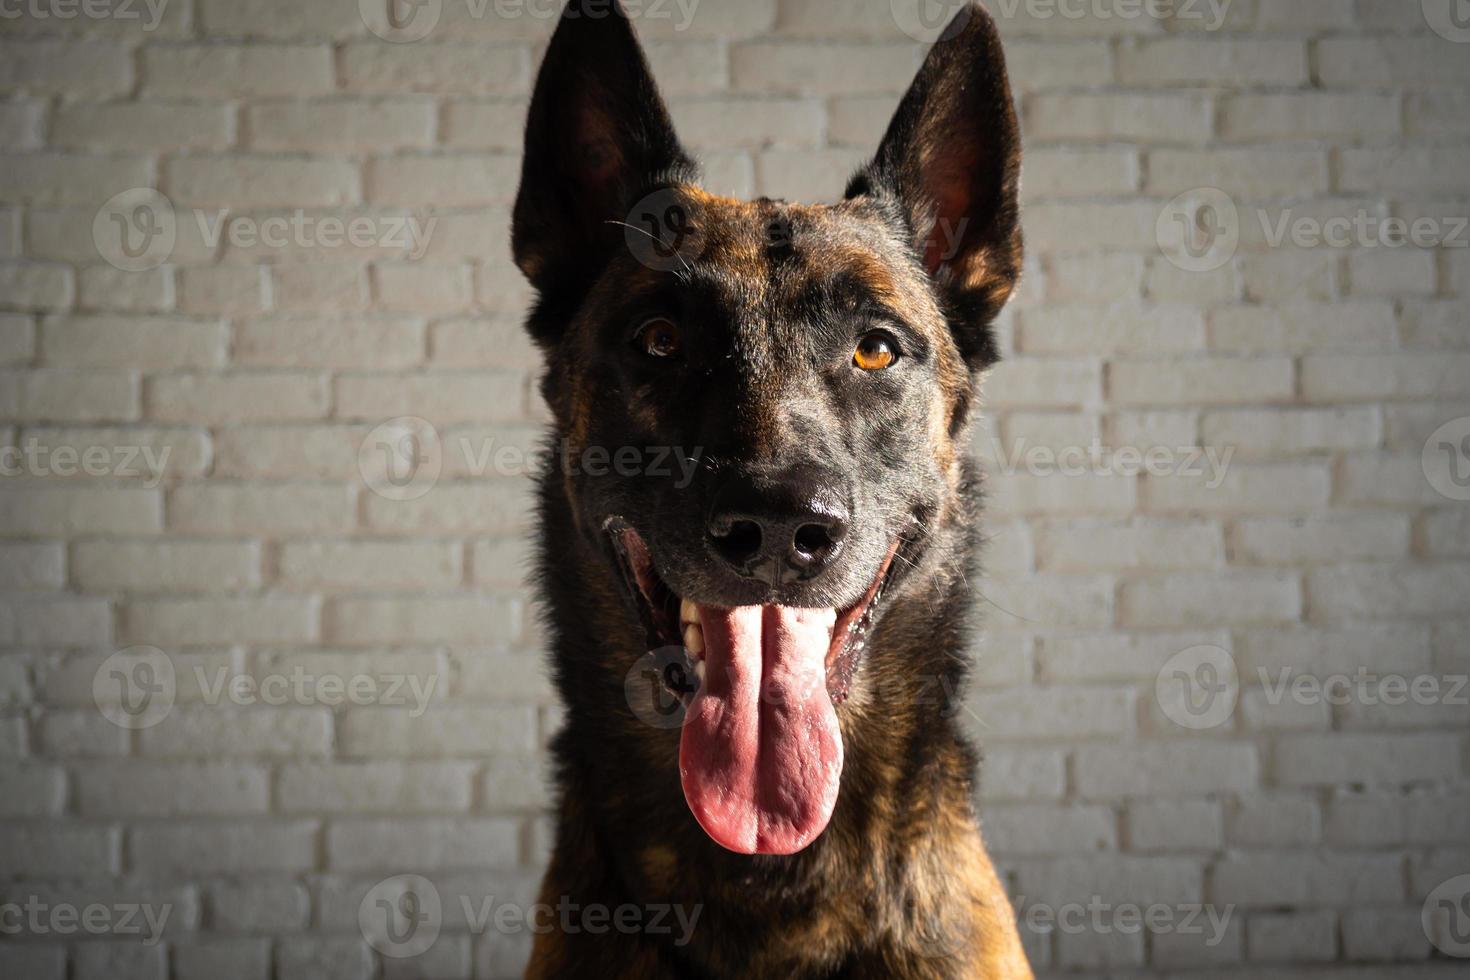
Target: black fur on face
(766, 304)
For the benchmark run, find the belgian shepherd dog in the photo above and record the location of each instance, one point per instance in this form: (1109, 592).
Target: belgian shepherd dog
(756, 559)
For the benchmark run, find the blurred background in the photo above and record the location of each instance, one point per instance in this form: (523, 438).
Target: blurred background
(266, 420)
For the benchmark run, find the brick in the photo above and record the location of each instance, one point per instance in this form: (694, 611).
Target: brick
(22, 125)
(1061, 712)
(1361, 377)
(454, 69)
(1425, 168)
(484, 124)
(171, 566)
(1429, 323)
(1020, 773)
(1321, 651)
(125, 341)
(35, 962)
(1045, 382)
(1288, 277)
(1248, 174)
(1438, 113)
(806, 175)
(1327, 539)
(480, 506)
(121, 960)
(410, 287)
(445, 619)
(1297, 328)
(60, 848)
(1353, 591)
(1200, 381)
(60, 511)
(1036, 65)
(1379, 479)
(1213, 61)
(1373, 760)
(1085, 657)
(1361, 62)
(70, 621)
(1166, 769)
(1085, 227)
(1118, 329)
(493, 342)
(75, 734)
(424, 844)
(223, 959)
(1131, 117)
(79, 69)
(17, 339)
(223, 731)
(385, 787)
(1102, 277)
(106, 288)
(279, 845)
(1446, 533)
(27, 566)
(445, 731)
(1211, 599)
(72, 396)
(1310, 115)
(461, 180)
(1157, 826)
(1299, 937)
(143, 126)
(370, 565)
(1290, 432)
(274, 19)
(32, 791)
(36, 287)
(68, 178)
(342, 125)
(216, 399)
(320, 287)
(377, 343)
(1047, 829)
(324, 959)
(1273, 821)
(786, 67)
(1384, 935)
(1274, 880)
(1080, 547)
(257, 906)
(254, 182)
(222, 290)
(271, 509)
(1112, 879)
(723, 123)
(172, 622)
(442, 398)
(194, 71)
(1405, 272)
(172, 790)
(146, 454)
(1142, 429)
(318, 452)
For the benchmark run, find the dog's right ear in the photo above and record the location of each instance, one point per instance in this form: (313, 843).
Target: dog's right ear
(597, 138)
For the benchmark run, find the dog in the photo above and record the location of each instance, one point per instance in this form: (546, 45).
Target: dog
(759, 654)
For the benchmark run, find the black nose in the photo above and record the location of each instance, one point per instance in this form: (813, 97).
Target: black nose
(779, 530)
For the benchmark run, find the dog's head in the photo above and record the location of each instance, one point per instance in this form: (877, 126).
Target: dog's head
(762, 402)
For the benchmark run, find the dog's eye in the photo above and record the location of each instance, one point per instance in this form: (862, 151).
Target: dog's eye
(658, 337)
(875, 352)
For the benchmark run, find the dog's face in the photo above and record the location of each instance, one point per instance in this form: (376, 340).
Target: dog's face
(761, 401)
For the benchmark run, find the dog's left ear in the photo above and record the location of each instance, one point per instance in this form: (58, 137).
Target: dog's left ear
(597, 134)
(951, 159)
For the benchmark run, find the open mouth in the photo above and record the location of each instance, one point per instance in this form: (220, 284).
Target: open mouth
(760, 753)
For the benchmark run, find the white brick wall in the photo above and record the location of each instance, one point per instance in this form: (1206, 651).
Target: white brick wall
(1325, 538)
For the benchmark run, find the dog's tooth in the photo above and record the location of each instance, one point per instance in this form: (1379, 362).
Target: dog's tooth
(699, 671)
(688, 612)
(694, 639)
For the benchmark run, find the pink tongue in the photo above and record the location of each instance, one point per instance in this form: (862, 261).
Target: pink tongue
(761, 755)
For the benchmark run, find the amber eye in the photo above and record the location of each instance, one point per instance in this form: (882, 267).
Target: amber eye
(875, 352)
(658, 337)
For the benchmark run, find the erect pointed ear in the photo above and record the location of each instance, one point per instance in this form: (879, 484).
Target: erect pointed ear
(597, 135)
(951, 160)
